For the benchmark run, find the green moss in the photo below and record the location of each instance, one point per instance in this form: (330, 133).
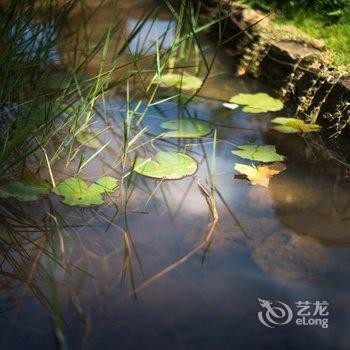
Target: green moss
(336, 36)
(310, 25)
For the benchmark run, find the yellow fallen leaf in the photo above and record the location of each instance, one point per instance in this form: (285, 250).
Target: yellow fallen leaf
(294, 125)
(261, 174)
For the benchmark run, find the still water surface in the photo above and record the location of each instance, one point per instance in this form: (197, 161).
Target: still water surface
(288, 243)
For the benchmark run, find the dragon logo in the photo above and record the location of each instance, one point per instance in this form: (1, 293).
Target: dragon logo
(274, 315)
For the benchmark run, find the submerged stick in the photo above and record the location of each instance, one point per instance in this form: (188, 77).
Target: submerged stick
(203, 244)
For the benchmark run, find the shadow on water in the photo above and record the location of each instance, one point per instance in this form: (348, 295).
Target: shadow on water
(72, 277)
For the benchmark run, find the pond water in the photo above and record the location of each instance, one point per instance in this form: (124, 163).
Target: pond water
(89, 279)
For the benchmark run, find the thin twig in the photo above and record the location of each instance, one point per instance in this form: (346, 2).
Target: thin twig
(176, 264)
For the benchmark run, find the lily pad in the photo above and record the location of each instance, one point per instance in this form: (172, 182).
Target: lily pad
(76, 192)
(179, 98)
(168, 166)
(186, 128)
(88, 139)
(294, 125)
(257, 103)
(25, 190)
(183, 81)
(264, 154)
(261, 174)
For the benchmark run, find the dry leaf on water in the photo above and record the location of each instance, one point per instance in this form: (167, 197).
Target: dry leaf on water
(261, 174)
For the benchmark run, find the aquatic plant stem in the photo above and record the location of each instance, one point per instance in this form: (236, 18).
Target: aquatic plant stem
(176, 264)
(48, 163)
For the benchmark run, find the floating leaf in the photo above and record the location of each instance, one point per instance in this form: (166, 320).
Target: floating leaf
(183, 81)
(261, 174)
(294, 125)
(105, 183)
(257, 103)
(89, 139)
(264, 154)
(168, 166)
(186, 128)
(179, 98)
(230, 105)
(25, 190)
(76, 192)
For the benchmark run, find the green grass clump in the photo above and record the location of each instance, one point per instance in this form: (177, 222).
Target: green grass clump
(309, 21)
(335, 35)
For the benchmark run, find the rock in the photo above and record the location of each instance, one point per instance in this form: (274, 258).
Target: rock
(307, 206)
(256, 18)
(292, 51)
(288, 46)
(290, 258)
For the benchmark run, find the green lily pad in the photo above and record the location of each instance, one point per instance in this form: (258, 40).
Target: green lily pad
(179, 98)
(265, 154)
(168, 166)
(183, 81)
(76, 192)
(25, 190)
(88, 139)
(186, 128)
(257, 103)
(294, 125)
